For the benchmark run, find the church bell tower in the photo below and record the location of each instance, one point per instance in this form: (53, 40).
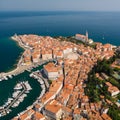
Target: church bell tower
(86, 36)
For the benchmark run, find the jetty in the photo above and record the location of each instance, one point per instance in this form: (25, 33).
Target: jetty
(6, 109)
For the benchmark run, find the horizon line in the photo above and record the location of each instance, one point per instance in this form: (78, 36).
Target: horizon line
(57, 11)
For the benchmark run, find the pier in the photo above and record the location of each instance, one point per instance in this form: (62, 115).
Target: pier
(4, 110)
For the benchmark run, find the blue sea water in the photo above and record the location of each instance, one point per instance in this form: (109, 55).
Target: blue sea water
(102, 26)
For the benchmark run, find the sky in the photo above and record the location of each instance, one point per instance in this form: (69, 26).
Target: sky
(59, 5)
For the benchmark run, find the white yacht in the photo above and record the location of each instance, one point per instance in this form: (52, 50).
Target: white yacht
(18, 86)
(15, 94)
(5, 78)
(10, 76)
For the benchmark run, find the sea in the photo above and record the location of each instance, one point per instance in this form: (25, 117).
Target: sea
(101, 26)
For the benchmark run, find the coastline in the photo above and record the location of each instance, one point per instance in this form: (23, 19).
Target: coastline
(88, 54)
(19, 57)
(84, 93)
(18, 69)
(18, 42)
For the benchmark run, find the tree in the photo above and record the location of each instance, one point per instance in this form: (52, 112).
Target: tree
(114, 112)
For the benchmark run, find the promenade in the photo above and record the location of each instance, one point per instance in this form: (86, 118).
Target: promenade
(14, 72)
(43, 79)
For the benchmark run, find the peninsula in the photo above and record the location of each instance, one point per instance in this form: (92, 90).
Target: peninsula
(80, 79)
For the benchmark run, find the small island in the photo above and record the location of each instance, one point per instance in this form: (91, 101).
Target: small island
(79, 80)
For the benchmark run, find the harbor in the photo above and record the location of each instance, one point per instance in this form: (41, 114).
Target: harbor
(43, 82)
(16, 98)
(12, 106)
(23, 90)
(21, 69)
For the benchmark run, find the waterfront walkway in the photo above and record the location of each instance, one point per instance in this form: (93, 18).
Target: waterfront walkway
(44, 79)
(14, 72)
(38, 75)
(22, 68)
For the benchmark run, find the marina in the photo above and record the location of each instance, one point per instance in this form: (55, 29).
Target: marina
(21, 89)
(22, 69)
(38, 76)
(17, 97)
(10, 106)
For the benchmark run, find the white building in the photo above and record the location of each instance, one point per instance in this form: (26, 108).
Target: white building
(47, 55)
(83, 38)
(52, 71)
(67, 50)
(53, 110)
